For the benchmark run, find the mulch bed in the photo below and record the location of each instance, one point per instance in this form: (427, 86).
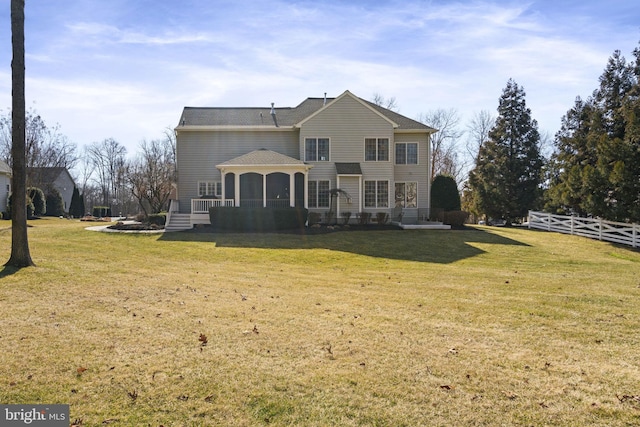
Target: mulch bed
(134, 227)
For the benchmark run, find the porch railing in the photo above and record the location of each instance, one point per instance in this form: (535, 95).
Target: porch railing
(202, 205)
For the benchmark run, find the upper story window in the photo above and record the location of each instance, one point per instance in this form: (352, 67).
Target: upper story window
(316, 149)
(407, 153)
(376, 149)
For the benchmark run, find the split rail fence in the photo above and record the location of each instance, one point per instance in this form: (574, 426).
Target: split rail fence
(616, 232)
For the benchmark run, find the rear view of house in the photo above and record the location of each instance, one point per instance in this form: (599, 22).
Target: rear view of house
(301, 156)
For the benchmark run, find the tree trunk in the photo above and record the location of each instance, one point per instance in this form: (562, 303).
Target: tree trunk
(20, 256)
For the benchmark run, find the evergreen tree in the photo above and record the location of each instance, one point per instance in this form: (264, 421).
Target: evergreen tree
(76, 208)
(445, 194)
(597, 160)
(39, 200)
(574, 152)
(55, 203)
(507, 176)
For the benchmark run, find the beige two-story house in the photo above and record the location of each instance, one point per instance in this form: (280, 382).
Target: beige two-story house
(342, 154)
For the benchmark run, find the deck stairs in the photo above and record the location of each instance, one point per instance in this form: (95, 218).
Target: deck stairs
(179, 222)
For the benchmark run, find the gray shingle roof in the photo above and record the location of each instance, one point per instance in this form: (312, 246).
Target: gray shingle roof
(285, 117)
(348, 169)
(262, 157)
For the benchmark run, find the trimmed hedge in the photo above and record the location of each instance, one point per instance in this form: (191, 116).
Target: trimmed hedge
(455, 218)
(158, 219)
(101, 211)
(257, 219)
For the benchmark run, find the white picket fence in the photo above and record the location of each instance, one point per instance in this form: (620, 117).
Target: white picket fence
(616, 232)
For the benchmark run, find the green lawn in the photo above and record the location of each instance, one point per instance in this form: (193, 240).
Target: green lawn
(487, 326)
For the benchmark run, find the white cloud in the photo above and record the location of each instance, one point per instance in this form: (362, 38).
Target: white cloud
(110, 72)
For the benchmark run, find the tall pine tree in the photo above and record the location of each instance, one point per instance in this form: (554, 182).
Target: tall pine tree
(506, 180)
(597, 158)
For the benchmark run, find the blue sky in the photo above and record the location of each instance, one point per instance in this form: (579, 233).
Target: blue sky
(126, 68)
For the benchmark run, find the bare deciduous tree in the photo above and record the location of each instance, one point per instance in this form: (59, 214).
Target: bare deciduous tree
(478, 131)
(44, 146)
(108, 160)
(444, 143)
(388, 103)
(153, 173)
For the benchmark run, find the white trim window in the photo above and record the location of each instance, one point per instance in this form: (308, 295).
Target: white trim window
(376, 149)
(318, 194)
(406, 153)
(376, 194)
(209, 188)
(406, 195)
(316, 149)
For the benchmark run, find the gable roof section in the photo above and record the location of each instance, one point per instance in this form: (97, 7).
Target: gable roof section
(262, 157)
(287, 118)
(47, 175)
(347, 94)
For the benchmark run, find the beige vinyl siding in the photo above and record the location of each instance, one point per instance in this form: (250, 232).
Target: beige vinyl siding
(415, 173)
(198, 153)
(347, 122)
(350, 184)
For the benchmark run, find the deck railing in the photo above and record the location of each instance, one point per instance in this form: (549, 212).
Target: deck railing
(595, 228)
(199, 206)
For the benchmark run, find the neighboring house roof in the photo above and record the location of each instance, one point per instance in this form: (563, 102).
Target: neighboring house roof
(47, 175)
(4, 168)
(348, 169)
(262, 157)
(287, 117)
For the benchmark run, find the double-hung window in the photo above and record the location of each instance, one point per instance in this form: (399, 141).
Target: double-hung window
(316, 149)
(209, 188)
(407, 153)
(376, 194)
(376, 149)
(318, 194)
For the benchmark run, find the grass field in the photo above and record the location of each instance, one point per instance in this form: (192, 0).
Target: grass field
(482, 327)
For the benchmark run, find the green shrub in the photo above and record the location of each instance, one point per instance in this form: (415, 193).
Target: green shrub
(445, 194)
(314, 218)
(257, 219)
(363, 218)
(158, 219)
(455, 218)
(38, 199)
(55, 203)
(382, 218)
(346, 216)
(29, 203)
(101, 211)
